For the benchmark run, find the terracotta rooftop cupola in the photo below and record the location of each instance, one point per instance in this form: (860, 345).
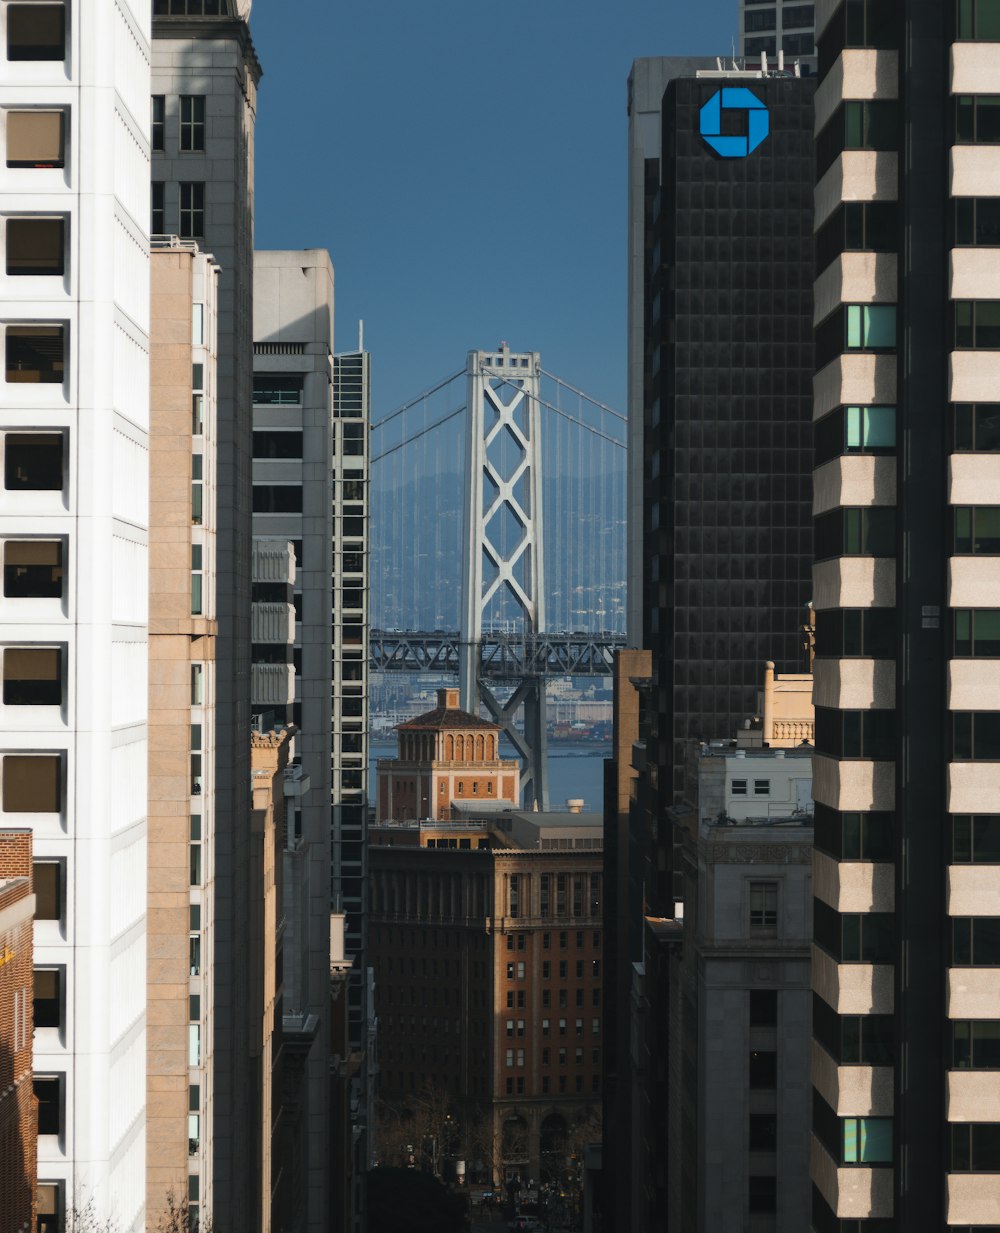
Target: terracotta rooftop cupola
(448, 699)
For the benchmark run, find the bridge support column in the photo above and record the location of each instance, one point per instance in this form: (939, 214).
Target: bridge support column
(530, 744)
(503, 542)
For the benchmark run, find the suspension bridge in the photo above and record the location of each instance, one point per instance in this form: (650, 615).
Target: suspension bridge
(498, 541)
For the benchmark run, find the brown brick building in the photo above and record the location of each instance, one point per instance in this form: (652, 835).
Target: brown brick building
(486, 943)
(444, 755)
(18, 1107)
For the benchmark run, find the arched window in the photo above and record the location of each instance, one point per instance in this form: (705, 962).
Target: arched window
(480, 749)
(449, 748)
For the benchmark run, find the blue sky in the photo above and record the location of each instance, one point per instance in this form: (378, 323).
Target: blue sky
(464, 163)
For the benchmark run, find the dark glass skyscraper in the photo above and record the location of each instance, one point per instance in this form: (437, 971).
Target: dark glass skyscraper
(729, 355)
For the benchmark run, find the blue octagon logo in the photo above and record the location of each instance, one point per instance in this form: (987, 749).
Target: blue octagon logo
(734, 98)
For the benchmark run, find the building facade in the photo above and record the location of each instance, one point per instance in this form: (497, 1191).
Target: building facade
(269, 753)
(352, 421)
(74, 404)
(18, 1106)
(203, 107)
(487, 955)
(183, 627)
(729, 362)
(728, 1103)
(779, 27)
(905, 1110)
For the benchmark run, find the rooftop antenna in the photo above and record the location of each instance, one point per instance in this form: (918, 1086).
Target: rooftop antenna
(361, 335)
(781, 60)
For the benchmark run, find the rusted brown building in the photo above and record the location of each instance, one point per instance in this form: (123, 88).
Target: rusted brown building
(18, 1107)
(486, 943)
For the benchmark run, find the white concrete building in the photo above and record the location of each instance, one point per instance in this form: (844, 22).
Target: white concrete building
(74, 310)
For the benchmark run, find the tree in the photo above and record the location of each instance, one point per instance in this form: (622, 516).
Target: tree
(175, 1217)
(410, 1199)
(420, 1125)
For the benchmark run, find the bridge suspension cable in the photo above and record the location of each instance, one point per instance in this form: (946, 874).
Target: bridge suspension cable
(419, 398)
(580, 394)
(417, 435)
(549, 406)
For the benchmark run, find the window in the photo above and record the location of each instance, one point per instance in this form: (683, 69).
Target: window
(36, 32)
(851, 836)
(868, 125)
(975, 839)
(856, 226)
(48, 997)
(856, 430)
(33, 462)
(975, 941)
(49, 1218)
(197, 399)
(192, 122)
(870, 327)
(848, 633)
(762, 787)
(197, 579)
(510, 1059)
(545, 1027)
(793, 15)
(977, 529)
(853, 1040)
(867, 1140)
(562, 1027)
(157, 120)
(763, 1069)
(277, 389)
(754, 46)
(738, 787)
(759, 19)
(763, 1132)
(976, 632)
(36, 354)
(192, 209)
(976, 427)
(763, 1007)
(856, 734)
(977, 118)
(976, 736)
(36, 139)
(975, 1044)
(854, 937)
(867, 531)
(47, 880)
(32, 676)
(194, 871)
(277, 498)
(32, 783)
(977, 221)
(197, 489)
(979, 19)
(977, 324)
(157, 222)
(975, 1148)
(277, 444)
(562, 969)
(763, 905)
(48, 1092)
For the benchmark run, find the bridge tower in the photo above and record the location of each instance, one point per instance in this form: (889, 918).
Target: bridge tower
(503, 579)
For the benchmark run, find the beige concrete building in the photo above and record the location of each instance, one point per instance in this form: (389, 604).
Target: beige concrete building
(269, 753)
(182, 655)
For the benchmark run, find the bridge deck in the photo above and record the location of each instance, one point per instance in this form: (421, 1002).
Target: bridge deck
(501, 656)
